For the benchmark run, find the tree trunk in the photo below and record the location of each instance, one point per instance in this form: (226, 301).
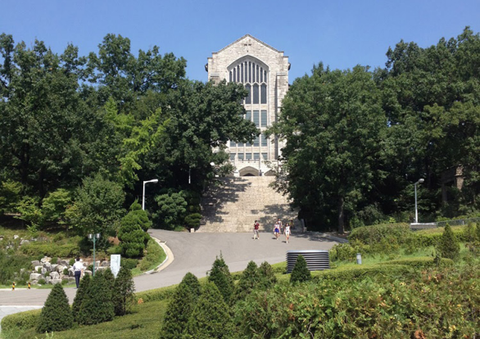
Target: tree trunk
(341, 215)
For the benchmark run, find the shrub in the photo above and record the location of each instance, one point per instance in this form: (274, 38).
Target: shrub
(97, 305)
(448, 246)
(41, 281)
(193, 220)
(154, 256)
(123, 291)
(300, 272)
(181, 307)
(56, 313)
(371, 235)
(266, 275)
(80, 295)
(54, 260)
(249, 279)
(210, 317)
(221, 277)
(22, 321)
(132, 233)
(129, 263)
(10, 265)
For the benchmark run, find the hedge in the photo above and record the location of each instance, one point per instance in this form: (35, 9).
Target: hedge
(50, 249)
(23, 321)
(431, 237)
(371, 235)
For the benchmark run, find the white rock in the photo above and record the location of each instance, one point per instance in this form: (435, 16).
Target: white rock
(35, 276)
(15, 236)
(55, 281)
(55, 275)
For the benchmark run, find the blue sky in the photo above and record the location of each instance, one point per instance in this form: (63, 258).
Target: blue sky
(339, 33)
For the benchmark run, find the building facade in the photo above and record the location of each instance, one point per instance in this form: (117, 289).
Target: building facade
(263, 71)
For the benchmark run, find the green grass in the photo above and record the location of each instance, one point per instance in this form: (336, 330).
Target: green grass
(145, 321)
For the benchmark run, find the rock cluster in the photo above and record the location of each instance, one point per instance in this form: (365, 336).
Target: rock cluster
(59, 272)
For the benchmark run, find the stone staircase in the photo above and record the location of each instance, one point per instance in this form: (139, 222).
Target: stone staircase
(235, 204)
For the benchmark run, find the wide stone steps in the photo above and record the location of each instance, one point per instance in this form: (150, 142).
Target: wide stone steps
(235, 204)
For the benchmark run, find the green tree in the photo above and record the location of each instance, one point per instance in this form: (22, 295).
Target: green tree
(221, 277)
(249, 280)
(132, 233)
(97, 206)
(333, 125)
(124, 289)
(267, 276)
(51, 135)
(181, 307)
(300, 272)
(80, 295)
(211, 317)
(171, 212)
(448, 245)
(56, 313)
(97, 305)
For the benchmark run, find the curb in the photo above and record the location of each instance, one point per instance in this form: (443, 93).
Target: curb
(168, 259)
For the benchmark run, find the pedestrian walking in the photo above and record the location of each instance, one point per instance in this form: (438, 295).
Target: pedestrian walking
(287, 233)
(276, 229)
(78, 269)
(256, 227)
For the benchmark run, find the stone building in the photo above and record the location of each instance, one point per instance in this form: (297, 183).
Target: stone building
(263, 71)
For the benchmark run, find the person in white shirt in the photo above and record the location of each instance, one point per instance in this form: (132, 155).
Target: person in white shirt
(78, 269)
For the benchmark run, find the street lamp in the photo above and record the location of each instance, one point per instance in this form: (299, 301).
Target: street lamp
(143, 196)
(93, 237)
(420, 181)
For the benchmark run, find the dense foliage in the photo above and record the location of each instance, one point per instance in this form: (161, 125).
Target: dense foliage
(80, 295)
(300, 272)
(221, 277)
(132, 231)
(56, 313)
(76, 129)
(448, 245)
(123, 292)
(357, 140)
(97, 305)
(181, 307)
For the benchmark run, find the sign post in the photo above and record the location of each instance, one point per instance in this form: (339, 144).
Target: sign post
(115, 260)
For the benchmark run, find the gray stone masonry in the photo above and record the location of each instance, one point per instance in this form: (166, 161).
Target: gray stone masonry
(236, 205)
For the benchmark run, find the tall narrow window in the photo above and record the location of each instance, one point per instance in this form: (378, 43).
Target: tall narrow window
(240, 144)
(264, 156)
(232, 144)
(264, 118)
(264, 140)
(248, 116)
(248, 100)
(255, 94)
(256, 118)
(249, 156)
(256, 156)
(241, 73)
(232, 156)
(264, 94)
(256, 142)
(240, 156)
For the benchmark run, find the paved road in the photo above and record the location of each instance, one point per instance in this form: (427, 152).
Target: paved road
(195, 253)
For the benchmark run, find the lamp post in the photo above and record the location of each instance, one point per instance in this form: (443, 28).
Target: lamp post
(421, 180)
(93, 237)
(143, 196)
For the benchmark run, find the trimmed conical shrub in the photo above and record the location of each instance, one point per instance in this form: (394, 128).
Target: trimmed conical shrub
(123, 291)
(221, 277)
(80, 295)
(267, 276)
(448, 245)
(300, 271)
(211, 317)
(249, 280)
(181, 307)
(97, 305)
(56, 313)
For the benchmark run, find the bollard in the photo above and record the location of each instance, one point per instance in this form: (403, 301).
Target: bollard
(359, 258)
(29, 285)
(13, 286)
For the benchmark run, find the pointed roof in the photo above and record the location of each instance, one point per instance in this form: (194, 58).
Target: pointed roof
(249, 36)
